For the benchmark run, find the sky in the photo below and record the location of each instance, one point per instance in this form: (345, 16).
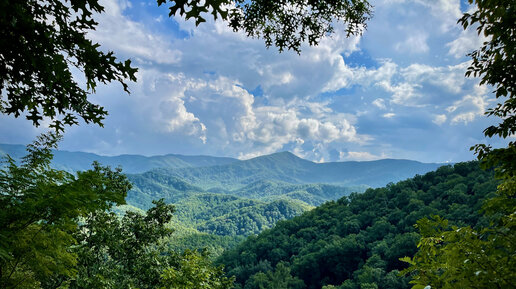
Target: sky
(396, 91)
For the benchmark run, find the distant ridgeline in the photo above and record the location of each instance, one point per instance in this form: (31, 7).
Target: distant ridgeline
(131, 164)
(218, 198)
(356, 241)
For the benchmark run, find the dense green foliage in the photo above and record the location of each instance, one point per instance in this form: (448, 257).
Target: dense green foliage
(485, 256)
(127, 252)
(252, 219)
(356, 242)
(215, 244)
(194, 270)
(56, 231)
(311, 194)
(279, 278)
(40, 212)
(244, 211)
(118, 252)
(40, 42)
(228, 215)
(152, 186)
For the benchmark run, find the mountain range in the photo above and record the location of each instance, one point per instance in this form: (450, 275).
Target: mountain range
(219, 197)
(132, 164)
(215, 173)
(287, 167)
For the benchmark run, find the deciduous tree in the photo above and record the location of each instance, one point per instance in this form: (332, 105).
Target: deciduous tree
(41, 209)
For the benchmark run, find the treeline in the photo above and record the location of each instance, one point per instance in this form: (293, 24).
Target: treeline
(357, 241)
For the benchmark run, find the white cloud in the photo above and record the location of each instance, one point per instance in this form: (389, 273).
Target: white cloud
(118, 33)
(470, 106)
(225, 110)
(467, 41)
(360, 156)
(389, 115)
(380, 103)
(413, 44)
(450, 77)
(403, 93)
(439, 119)
(447, 11)
(345, 76)
(178, 118)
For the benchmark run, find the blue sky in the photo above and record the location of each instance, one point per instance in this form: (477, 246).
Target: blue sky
(397, 91)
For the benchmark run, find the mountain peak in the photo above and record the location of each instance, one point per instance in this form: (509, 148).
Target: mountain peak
(284, 156)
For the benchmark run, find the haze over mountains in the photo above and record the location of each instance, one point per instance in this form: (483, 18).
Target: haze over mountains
(287, 167)
(219, 200)
(131, 164)
(210, 172)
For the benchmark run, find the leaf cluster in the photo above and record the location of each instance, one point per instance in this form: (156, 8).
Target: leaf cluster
(284, 24)
(41, 42)
(495, 61)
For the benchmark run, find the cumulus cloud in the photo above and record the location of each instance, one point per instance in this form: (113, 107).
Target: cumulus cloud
(449, 77)
(439, 119)
(467, 41)
(415, 43)
(118, 33)
(470, 106)
(360, 156)
(214, 91)
(380, 103)
(222, 113)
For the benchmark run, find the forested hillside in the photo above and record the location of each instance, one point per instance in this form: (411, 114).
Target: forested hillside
(155, 185)
(311, 194)
(356, 242)
(227, 215)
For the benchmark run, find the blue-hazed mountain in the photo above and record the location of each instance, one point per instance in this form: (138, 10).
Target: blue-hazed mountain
(286, 167)
(280, 176)
(133, 164)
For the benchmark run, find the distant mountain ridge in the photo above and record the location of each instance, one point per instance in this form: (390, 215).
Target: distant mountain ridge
(286, 167)
(132, 164)
(212, 173)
